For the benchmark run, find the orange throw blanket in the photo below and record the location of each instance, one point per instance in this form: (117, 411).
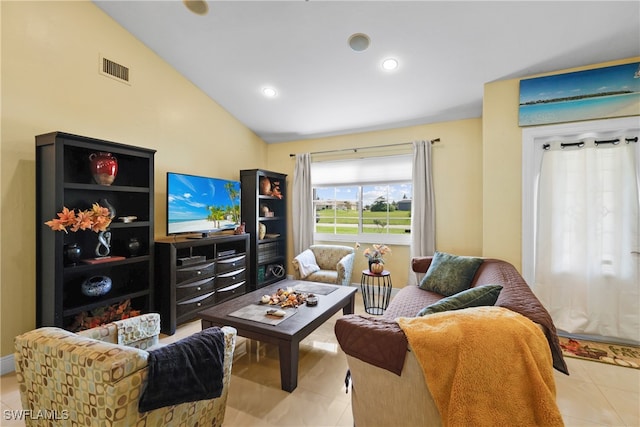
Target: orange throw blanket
(485, 366)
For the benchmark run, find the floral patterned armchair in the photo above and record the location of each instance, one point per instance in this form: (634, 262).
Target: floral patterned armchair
(140, 331)
(334, 264)
(88, 379)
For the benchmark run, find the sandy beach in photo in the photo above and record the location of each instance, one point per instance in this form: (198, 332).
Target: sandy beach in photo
(190, 226)
(632, 108)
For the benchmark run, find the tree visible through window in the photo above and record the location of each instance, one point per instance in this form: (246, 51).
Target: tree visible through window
(383, 209)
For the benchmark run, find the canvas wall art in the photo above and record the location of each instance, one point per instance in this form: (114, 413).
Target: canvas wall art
(583, 95)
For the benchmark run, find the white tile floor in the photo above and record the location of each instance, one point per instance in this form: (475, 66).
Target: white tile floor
(595, 394)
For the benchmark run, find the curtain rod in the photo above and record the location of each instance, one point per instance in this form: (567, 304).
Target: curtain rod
(355, 150)
(580, 144)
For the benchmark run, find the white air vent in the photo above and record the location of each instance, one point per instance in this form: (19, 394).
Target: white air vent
(114, 70)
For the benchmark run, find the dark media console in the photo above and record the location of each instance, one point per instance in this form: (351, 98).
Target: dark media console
(194, 274)
(190, 260)
(204, 235)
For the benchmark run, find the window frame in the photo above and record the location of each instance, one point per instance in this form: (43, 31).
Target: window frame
(382, 238)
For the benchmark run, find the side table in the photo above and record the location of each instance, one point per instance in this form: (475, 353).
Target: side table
(376, 291)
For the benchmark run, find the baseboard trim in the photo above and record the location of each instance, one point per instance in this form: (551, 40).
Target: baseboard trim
(7, 364)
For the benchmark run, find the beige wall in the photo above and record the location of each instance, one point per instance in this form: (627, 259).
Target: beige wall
(50, 82)
(457, 171)
(502, 167)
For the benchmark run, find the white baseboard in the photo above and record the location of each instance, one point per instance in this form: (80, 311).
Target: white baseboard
(7, 364)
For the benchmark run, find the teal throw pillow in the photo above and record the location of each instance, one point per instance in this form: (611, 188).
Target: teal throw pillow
(474, 297)
(449, 274)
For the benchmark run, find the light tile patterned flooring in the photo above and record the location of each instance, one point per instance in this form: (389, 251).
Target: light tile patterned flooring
(594, 394)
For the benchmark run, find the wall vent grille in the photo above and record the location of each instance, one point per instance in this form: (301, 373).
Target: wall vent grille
(113, 69)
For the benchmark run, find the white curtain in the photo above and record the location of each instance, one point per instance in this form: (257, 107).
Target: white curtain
(423, 224)
(302, 204)
(586, 271)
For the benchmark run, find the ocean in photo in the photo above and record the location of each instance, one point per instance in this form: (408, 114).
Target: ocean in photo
(581, 109)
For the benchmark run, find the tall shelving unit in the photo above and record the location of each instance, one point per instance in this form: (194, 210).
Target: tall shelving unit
(64, 179)
(264, 204)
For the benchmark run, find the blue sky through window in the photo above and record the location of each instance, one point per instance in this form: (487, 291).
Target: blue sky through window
(396, 193)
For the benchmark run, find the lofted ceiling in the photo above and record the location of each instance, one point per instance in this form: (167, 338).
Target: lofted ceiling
(446, 52)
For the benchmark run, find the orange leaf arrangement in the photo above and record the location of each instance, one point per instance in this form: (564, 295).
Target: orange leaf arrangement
(95, 219)
(103, 315)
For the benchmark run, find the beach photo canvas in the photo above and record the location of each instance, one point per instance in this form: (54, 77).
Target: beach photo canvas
(583, 95)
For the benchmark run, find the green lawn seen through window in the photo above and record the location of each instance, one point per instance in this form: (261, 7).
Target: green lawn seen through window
(344, 222)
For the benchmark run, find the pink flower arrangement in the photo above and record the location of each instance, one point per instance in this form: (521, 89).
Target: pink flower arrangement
(376, 253)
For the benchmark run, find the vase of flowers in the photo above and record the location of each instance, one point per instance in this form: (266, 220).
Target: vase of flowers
(375, 257)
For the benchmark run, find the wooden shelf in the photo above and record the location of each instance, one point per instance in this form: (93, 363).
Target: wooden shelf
(64, 179)
(267, 251)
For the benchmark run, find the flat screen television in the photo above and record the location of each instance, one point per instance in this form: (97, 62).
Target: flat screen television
(200, 204)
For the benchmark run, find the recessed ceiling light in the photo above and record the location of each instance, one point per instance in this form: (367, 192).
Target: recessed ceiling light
(359, 42)
(199, 7)
(269, 92)
(389, 64)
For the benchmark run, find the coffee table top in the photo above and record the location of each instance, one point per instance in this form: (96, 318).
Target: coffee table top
(301, 324)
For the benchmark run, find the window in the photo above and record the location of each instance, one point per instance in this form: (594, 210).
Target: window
(354, 202)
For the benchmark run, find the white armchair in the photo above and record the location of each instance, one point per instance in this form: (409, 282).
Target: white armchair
(333, 264)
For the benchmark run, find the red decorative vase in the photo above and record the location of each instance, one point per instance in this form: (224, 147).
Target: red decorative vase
(104, 167)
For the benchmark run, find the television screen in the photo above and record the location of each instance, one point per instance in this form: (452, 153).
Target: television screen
(198, 204)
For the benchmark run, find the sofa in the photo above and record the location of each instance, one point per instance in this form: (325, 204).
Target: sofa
(87, 378)
(325, 263)
(388, 380)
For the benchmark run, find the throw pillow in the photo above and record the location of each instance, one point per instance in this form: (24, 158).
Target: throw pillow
(474, 297)
(306, 262)
(449, 274)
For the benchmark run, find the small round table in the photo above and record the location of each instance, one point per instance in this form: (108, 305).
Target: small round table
(376, 291)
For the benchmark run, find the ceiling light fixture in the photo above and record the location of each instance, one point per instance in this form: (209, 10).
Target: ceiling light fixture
(269, 92)
(199, 7)
(359, 42)
(389, 64)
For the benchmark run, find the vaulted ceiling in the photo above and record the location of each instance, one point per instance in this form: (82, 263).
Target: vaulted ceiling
(446, 52)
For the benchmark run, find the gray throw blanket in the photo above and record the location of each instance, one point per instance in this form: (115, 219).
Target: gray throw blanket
(185, 371)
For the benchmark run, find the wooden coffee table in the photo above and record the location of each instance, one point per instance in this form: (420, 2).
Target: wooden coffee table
(288, 333)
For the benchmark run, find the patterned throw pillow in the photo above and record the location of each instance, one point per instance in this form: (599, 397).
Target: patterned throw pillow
(474, 297)
(449, 274)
